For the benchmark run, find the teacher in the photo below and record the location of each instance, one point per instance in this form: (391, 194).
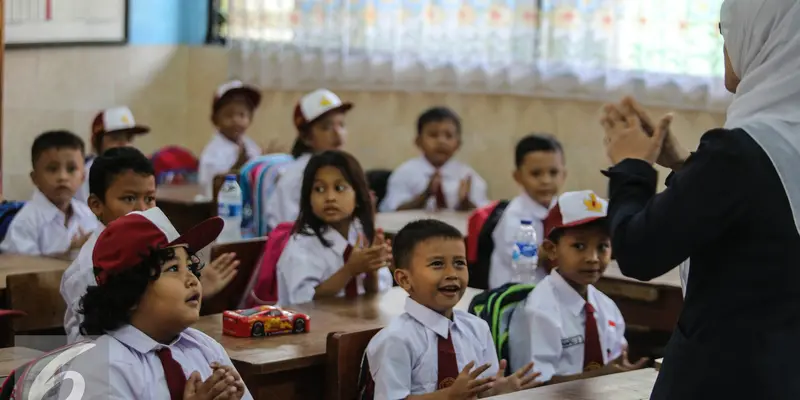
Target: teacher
(732, 207)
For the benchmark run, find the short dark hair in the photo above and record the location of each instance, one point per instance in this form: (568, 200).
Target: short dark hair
(109, 306)
(536, 142)
(114, 162)
(351, 169)
(558, 233)
(437, 114)
(417, 232)
(59, 139)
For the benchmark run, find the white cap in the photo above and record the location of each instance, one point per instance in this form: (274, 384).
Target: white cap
(229, 88)
(116, 119)
(574, 209)
(316, 103)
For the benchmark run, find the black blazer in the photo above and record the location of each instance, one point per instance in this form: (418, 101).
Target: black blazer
(738, 336)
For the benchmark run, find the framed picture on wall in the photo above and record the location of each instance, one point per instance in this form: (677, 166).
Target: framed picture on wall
(65, 22)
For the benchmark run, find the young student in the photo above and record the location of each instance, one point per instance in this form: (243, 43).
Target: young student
(335, 250)
(569, 329)
(123, 182)
(319, 119)
(112, 127)
(433, 351)
(541, 171)
(147, 296)
(229, 149)
(435, 181)
(53, 222)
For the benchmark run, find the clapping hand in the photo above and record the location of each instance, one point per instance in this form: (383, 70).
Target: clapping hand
(467, 385)
(368, 259)
(625, 138)
(673, 154)
(522, 379)
(218, 274)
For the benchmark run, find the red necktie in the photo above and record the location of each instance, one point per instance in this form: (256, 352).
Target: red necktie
(441, 203)
(592, 352)
(176, 380)
(448, 366)
(351, 290)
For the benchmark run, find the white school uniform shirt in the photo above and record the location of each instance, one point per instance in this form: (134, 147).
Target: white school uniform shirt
(306, 262)
(128, 367)
(83, 191)
(404, 356)
(549, 328)
(520, 208)
(40, 229)
(411, 179)
(286, 198)
(219, 156)
(76, 280)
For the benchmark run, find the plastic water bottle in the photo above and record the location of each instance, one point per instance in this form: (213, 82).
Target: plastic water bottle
(229, 208)
(525, 253)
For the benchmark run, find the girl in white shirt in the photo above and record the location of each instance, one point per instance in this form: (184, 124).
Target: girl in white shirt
(335, 250)
(319, 119)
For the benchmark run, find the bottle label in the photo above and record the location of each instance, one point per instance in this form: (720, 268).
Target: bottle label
(524, 250)
(229, 210)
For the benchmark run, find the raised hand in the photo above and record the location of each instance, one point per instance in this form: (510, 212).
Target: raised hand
(218, 274)
(625, 137)
(673, 154)
(467, 385)
(522, 379)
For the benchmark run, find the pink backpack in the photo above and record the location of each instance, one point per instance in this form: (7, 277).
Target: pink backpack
(263, 286)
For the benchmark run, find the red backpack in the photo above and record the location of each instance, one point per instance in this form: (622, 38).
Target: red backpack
(263, 286)
(480, 244)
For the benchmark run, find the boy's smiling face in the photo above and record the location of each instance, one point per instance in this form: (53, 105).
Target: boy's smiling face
(437, 275)
(582, 253)
(233, 118)
(172, 302)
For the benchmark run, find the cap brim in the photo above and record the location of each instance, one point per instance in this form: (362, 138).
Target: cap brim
(343, 108)
(252, 95)
(200, 235)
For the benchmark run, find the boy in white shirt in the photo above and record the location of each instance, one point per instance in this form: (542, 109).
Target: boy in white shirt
(569, 329)
(229, 149)
(433, 351)
(320, 121)
(53, 222)
(541, 171)
(112, 127)
(434, 181)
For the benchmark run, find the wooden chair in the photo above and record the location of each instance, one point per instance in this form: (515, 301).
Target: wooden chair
(248, 252)
(343, 365)
(36, 294)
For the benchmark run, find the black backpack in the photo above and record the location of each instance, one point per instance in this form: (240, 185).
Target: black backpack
(479, 269)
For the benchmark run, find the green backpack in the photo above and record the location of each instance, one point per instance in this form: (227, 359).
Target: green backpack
(496, 307)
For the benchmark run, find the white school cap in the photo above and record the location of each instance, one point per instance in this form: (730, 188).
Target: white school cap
(575, 209)
(313, 105)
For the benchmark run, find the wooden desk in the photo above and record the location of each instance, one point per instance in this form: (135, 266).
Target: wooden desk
(12, 358)
(392, 222)
(652, 305)
(288, 366)
(634, 385)
(11, 264)
(182, 206)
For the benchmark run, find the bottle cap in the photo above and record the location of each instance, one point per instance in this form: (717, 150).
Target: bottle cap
(526, 222)
(230, 177)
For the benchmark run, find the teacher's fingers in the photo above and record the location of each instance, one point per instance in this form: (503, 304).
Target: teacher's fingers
(630, 116)
(606, 122)
(614, 115)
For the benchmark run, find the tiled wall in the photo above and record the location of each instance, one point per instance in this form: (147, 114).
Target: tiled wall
(170, 89)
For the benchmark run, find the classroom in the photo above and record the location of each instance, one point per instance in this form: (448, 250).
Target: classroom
(408, 199)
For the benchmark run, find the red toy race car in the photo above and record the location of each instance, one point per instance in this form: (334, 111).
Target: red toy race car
(263, 320)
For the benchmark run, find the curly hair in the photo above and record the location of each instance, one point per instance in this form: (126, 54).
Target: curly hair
(109, 306)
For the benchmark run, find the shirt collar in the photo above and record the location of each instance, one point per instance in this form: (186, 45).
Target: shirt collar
(537, 210)
(224, 141)
(430, 169)
(569, 297)
(430, 319)
(338, 242)
(132, 337)
(50, 210)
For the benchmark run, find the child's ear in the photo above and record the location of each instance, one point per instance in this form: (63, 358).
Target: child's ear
(95, 205)
(549, 250)
(33, 177)
(517, 176)
(418, 141)
(402, 278)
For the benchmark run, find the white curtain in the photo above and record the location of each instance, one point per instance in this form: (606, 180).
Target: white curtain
(665, 52)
